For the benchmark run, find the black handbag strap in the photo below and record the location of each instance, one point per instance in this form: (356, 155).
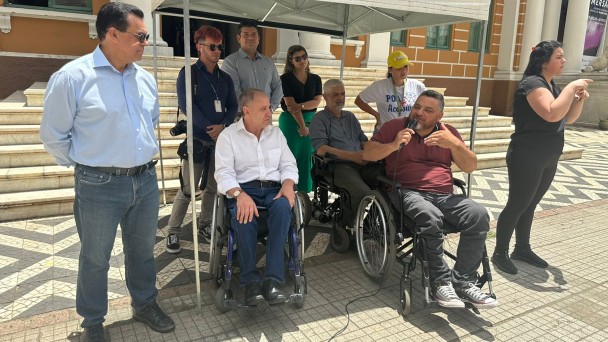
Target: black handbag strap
(194, 82)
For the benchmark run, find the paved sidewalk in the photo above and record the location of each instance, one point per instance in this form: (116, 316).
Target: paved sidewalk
(566, 302)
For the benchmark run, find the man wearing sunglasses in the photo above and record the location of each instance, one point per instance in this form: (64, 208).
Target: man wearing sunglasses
(99, 115)
(213, 108)
(250, 69)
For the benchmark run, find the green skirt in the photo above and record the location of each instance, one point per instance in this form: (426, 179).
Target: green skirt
(300, 147)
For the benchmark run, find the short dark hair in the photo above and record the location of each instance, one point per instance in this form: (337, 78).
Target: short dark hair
(248, 23)
(115, 14)
(435, 95)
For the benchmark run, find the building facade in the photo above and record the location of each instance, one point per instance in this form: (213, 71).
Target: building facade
(38, 36)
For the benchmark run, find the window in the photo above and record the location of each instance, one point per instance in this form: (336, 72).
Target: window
(398, 38)
(56, 5)
(475, 32)
(439, 37)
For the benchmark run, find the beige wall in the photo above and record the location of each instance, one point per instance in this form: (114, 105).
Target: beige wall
(32, 35)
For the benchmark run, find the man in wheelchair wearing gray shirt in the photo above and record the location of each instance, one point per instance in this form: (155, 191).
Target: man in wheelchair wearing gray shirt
(337, 132)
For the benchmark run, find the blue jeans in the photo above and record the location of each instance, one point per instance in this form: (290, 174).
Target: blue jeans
(430, 211)
(102, 202)
(279, 220)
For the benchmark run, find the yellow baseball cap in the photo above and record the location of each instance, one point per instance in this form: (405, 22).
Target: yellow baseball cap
(398, 60)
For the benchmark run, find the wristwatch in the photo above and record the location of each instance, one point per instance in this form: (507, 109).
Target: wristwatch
(236, 193)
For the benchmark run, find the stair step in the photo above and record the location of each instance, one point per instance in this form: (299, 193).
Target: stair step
(170, 100)
(48, 177)
(45, 203)
(35, 155)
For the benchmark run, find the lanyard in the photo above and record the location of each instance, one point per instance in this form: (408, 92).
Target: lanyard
(400, 103)
(211, 84)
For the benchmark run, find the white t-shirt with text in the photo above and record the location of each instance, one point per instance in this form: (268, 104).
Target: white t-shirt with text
(387, 97)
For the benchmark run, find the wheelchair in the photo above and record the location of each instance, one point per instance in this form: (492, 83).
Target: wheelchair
(223, 240)
(323, 210)
(384, 235)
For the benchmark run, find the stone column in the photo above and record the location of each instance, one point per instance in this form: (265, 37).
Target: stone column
(318, 48)
(508, 33)
(533, 25)
(162, 47)
(551, 19)
(574, 35)
(285, 39)
(377, 49)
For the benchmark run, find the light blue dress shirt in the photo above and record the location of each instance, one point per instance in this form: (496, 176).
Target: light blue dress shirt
(260, 73)
(94, 115)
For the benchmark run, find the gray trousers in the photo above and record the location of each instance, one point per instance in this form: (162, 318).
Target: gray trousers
(181, 201)
(430, 211)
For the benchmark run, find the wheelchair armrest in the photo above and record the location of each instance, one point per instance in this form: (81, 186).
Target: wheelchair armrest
(328, 158)
(388, 182)
(460, 184)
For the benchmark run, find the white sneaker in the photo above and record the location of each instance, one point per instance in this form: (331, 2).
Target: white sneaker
(475, 296)
(446, 296)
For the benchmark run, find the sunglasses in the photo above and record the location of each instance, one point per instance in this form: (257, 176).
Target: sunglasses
(212, 47)
(299, 58)
(141, 37)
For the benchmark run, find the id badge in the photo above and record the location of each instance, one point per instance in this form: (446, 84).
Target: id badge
(218, 106)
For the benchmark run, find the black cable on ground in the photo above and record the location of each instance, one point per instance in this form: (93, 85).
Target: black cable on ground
(348, 314)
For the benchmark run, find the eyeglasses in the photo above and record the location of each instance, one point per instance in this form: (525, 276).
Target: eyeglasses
(299, 58)
(141, 37)
(212, 47)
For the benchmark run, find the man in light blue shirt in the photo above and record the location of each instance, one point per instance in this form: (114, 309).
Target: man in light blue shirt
(250, 69)
(99, 116)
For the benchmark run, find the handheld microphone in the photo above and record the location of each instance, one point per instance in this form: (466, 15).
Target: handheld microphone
(412, 125)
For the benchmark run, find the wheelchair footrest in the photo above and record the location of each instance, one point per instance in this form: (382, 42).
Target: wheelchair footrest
(295, 298)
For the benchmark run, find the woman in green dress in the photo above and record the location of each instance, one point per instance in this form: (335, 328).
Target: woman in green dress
(302, 91)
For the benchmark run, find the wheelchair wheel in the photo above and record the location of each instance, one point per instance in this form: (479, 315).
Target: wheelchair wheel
(405, 302)
(450, 248)
(222, 299)
(301, 290)
(375, 234)
(306, 207)
(339, 239)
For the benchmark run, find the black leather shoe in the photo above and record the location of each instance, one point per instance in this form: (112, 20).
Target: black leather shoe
(155, 318)
(272, 293)
(253, 294)
(95, 333)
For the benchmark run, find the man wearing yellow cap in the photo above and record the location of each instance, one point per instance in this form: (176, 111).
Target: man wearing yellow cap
(395, 95)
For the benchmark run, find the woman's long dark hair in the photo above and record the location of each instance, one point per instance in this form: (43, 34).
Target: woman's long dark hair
(540, 55)
(289, 68)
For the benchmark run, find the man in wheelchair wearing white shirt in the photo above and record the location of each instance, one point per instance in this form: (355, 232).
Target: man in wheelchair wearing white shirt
(255, 167)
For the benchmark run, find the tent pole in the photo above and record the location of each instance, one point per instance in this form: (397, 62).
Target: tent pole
(344, 27)
(160, 144)
(189, 106)
(482, 48)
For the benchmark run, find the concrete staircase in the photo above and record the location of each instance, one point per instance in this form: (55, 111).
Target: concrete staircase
(32, 185)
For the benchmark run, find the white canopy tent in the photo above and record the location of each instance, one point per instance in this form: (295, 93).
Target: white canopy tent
(343, 18)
